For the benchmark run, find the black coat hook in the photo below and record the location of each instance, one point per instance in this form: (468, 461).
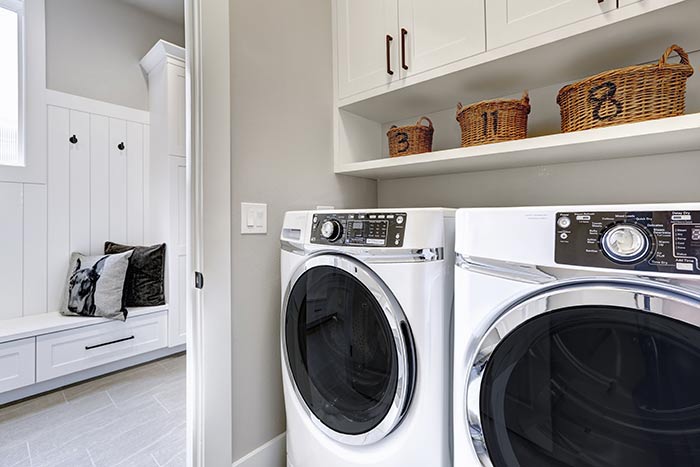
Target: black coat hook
(73, 139)
(121, 146)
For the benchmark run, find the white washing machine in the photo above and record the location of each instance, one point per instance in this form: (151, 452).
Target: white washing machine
(365, 334)
(577, 337)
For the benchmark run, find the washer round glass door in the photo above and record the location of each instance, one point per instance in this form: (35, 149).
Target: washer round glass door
(609, 383)
(348, 349)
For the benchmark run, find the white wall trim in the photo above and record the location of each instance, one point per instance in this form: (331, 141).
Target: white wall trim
(92, 106)
(267, 455)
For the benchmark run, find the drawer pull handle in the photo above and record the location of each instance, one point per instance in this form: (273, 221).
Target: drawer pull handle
(90, 347)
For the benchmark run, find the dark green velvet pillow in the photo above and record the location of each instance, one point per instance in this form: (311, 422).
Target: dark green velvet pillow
(145, 277)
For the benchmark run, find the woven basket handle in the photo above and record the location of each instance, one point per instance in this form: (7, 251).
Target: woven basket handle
(526, 98)
(679, 50)
(422, 119)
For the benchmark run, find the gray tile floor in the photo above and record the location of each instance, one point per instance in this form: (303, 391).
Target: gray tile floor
(134, 418)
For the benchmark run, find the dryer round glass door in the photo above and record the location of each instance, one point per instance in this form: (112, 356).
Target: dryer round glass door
(348, 350)
(595, 385)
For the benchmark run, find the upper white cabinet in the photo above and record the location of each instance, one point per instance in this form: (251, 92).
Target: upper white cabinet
(509, 21)
(433, 33)
(381, 41)
(367, 44)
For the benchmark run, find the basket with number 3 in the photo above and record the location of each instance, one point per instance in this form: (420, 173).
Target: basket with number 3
(493, 121)
(412, 139)
(627, 95)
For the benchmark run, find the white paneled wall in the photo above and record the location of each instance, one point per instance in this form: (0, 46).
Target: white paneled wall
(94, 192)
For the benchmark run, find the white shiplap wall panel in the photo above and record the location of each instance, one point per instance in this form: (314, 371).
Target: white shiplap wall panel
(94, 193)
(11, 230)
(135, 183)
(99, 183)
(35, 241)
(79, 182)
(58, 206)
(117, 182)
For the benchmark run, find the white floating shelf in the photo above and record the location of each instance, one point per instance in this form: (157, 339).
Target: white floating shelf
(670, 135)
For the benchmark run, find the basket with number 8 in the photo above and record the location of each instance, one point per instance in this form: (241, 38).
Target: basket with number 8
(412, 139)
(627, 95)
(493, 121)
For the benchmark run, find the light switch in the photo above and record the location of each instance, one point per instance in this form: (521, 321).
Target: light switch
(253, 218)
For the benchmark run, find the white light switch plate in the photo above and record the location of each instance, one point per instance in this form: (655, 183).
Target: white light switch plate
(253, 218)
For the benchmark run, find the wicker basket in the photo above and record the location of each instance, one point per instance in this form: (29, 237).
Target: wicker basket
(627, 95)
(412, 139)
(493, 121)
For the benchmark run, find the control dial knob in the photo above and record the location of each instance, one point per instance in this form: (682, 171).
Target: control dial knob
(331, 230)
(626, 243)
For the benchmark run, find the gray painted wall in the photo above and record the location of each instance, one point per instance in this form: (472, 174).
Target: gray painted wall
(662, 178)
(281, 101)
(93, 49)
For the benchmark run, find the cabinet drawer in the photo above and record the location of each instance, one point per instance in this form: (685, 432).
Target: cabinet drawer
(17, 364)
(66, 352)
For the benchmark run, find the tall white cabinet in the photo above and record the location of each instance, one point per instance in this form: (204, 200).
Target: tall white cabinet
(165, 66)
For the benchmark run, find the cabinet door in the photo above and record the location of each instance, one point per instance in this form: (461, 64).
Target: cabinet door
(362, 30)
(509, 21)
(438, 32)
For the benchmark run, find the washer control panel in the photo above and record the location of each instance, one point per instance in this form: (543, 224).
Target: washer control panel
(656, 241)
(359, 229)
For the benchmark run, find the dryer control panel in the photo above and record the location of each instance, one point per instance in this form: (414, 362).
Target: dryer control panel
(656, 241)
(360, 229)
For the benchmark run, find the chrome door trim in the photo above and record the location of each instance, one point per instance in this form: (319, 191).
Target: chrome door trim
(504, 270)
(370, 255)
(638, 294)
(405, 349)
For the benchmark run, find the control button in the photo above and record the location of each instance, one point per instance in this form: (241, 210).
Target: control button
(315, 219)
(583, 218)
(399, 220)
(331, 230)
(564, 222)
(396, 243)
(564, 236)
(398, 236)
(685, 267)
(625, 243)
(681, 217)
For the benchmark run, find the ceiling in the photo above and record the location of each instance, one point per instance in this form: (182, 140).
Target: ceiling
(172, 10)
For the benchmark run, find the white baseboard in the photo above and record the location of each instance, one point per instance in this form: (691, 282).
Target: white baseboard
(271, 454)
(51, 385)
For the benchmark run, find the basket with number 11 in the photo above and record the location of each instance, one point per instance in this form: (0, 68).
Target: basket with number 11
(627, 95)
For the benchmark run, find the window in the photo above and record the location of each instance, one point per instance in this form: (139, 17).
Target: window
(11, 72)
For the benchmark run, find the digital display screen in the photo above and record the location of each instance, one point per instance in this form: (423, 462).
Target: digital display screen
(358, 225)
(695, 234)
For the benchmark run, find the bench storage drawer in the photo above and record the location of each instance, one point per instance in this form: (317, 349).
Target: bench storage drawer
(66, 352)
(16, 364)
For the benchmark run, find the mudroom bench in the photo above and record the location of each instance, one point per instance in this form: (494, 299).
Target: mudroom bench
(43, 352)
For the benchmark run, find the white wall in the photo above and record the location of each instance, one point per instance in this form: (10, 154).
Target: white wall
(93, 48)
(281, 135)
(662, 178)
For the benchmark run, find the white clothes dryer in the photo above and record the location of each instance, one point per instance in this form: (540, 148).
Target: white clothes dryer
(365, 333)
(577, 336)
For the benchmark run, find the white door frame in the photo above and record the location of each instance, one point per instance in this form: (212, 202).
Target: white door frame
(209, 358)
